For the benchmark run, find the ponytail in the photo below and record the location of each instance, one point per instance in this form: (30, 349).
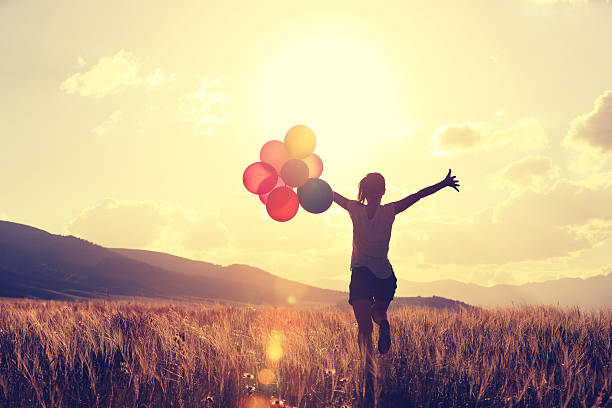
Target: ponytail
(372, 185)
(361, 195)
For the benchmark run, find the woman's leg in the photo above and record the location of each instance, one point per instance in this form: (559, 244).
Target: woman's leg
(379, 310)
(379, 315)
(363, 315)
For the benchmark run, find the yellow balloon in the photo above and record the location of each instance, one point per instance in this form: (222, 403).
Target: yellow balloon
(300, 141)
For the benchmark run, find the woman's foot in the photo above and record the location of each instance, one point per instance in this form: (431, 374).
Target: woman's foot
(384, 337)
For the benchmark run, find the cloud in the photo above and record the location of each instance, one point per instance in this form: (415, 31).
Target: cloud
(535, 225)
(591, 133)
(148, 224)
(102, 129)
(202, 108)
(450, 139)
(155, 96)
(534, 173)
(109, 75)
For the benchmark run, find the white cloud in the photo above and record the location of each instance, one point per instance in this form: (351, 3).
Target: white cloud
(149, 224)
(536, 225)
(449, 139)
(530, 173)
(203, 107)
(102, 129)
(108, 76)
(591, 134)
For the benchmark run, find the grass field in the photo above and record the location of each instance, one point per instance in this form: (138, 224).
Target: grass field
(119, 354)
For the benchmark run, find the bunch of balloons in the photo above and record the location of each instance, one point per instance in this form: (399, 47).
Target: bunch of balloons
(284, 166)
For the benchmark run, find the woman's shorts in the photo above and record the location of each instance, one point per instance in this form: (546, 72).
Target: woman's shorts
(365, 285)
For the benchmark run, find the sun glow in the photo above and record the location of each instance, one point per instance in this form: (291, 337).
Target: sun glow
(335, 84)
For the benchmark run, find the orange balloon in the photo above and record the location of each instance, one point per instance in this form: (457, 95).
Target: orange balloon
(264, 197)
(300, 141)
(274, 153)
(294, 172)
(282, 204)
(259, 178)
(315, 166)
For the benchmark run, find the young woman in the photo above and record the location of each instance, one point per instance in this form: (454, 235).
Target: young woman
(373, 281)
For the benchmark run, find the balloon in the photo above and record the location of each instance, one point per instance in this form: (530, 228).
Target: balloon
(264, 197)
(294, 172)
(282, 204)
(315, 195)
(300, 141)
(259, 178)
(315, 166)
(274, 153)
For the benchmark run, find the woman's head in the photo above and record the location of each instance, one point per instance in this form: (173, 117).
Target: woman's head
(371, 187)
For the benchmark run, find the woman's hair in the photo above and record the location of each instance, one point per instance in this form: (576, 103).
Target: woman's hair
(371, 186)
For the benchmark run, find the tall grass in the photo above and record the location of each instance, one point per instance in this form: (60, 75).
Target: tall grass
(119, 354)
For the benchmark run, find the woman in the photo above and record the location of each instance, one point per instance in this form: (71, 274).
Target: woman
(373, 281)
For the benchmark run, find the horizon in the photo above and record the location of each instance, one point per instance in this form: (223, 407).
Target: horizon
(135, 132)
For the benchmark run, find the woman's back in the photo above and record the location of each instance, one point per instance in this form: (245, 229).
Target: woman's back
(371, 236)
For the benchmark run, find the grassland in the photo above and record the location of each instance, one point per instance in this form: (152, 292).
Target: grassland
(119, 354)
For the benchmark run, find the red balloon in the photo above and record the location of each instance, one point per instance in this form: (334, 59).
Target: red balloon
(294, 172)
(264, 197)
(282, 204)
(275, 154)
(259, 178)
(315, 165)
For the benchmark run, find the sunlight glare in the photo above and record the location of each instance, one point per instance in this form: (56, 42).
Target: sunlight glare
(336, 84)
(274, 351)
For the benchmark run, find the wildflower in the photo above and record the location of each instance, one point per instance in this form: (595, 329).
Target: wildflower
(248, 376)
(277, 401)
(330, 371)
(250, 389)
(343, 380)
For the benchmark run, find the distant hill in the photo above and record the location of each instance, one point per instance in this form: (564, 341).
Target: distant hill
(37, 264)
(593, 292)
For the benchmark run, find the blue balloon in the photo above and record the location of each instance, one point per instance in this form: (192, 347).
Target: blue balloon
(315, 195)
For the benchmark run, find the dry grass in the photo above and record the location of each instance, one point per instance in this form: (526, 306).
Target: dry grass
(59, 354)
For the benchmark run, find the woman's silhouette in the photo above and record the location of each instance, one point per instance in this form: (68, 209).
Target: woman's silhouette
(373, 281)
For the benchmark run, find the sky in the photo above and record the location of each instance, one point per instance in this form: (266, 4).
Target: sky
(129, 124)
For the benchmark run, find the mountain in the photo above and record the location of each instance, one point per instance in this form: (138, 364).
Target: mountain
(37, 264)
(34, 263)
(593, 292)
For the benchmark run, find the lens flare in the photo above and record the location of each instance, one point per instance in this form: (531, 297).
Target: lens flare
(274, 351)
(266, 376)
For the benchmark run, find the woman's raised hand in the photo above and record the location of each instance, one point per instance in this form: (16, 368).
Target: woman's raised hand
(451, 181)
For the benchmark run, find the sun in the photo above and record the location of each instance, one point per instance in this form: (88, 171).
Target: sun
(336, 84)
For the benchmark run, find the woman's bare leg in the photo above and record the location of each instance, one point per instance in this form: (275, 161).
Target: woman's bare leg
(363, 314)
(379, 315)
(379, 310)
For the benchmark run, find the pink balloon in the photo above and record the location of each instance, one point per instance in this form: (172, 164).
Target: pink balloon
(264, 197)
(294, 172)
(315, 165)
(282, 204)
(275, 154)
(259, 178)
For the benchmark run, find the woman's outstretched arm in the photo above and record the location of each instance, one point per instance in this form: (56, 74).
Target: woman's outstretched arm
(341, 201)
(449, 181)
